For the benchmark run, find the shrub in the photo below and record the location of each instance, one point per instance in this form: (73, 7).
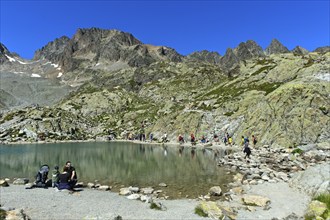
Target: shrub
(154, 206)
(200, 212)
(297, 151)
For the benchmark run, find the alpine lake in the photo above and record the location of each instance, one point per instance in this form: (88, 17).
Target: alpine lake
(187, 172)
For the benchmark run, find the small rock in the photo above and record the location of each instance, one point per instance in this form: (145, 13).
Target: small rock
(124, 191)
(147, 190)
(104, 188)
(4, 183)
(90, 185)
(255, 200)
(215, 191)
(16, 214)
(134, 189)
(211, 209)
(162, 184)
(133, 196)
(21, 181)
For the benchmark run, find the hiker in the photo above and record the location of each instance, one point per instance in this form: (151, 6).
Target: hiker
(247, 149)
(64, 179)
(55, 177)
(72, 174)
(230, 140)
(192, 138)
(215, 138)
(203, 140)
(151, 137)
(242, 141)
(254, 140)
(164, 138)
(181, 140)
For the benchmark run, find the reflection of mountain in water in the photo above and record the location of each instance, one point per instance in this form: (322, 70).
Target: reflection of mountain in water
(124, 163)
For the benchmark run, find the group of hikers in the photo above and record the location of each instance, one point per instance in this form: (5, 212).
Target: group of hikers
(66, 179)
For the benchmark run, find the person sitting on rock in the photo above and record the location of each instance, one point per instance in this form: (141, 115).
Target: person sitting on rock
(72, 173)
(55, 176)
(64, 179)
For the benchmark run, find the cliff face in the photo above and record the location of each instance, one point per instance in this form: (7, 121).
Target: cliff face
(282, 98)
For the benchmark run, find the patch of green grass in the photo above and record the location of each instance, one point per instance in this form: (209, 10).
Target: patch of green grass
(154, 206)
(266, 87)
(262, 69)
(200, 212)
(297, 151)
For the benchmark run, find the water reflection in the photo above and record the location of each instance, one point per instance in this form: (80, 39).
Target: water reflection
(120, 163)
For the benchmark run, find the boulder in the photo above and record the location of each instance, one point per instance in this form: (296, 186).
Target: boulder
(21, 181)
(255, 200)
(147, 190)
(104, 188)
(134, 189)
(17, 214)
(314, 180)
(124, 191)
(3, 183)
(215, 191)
(211, 209)
(133, 196)
(90, 185)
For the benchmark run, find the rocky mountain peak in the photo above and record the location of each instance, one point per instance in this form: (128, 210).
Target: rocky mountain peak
(248, 50)
(229, 60)
(298, 50)
(52, 49)
(276, 47)
(205, 56)
(94, 35)
(322, 49)
(4, 52)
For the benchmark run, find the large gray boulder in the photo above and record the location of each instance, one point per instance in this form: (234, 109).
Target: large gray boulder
(314, 180)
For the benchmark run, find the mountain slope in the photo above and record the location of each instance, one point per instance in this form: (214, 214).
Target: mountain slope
(281, 97)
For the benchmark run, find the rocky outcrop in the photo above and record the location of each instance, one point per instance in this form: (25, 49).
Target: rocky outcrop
(3, 52)
(298, 50)
(248, 50)
(325, 49)
(229, 60)
(52, 50)
(276, 47)
(314, 180)
(96, 45)
(205, 56)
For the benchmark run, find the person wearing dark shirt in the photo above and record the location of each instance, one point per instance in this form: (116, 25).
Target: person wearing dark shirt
(72, 173)
(64, 179)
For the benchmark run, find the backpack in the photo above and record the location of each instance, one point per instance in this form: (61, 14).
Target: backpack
(42, 176)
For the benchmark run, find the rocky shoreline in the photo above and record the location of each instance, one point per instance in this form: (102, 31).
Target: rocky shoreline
(265, 185)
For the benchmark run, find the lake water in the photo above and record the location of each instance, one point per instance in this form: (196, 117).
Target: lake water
(187, 172)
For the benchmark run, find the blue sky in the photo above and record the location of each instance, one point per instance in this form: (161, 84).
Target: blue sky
(186, 26)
